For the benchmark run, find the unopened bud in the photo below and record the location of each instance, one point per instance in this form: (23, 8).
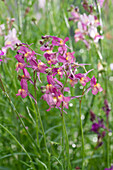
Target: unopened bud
(45, 37)
(43, 89)
(76, 9)
(27, 10)
(100, 67)
(12, 19)
(41, 42)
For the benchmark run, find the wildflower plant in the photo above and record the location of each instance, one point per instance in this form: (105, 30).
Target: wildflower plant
(55, 77)
(61, 70)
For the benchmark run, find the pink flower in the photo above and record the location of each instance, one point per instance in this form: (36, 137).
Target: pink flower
(58, 71)
(101, 2)
(23, 92)
(58, 41)
(83, 78)
(50, 57)
(26, 52)
(1, 53)
(87, 28)
(20, 66)
(95, 86)
(10, 40)
(19, 58)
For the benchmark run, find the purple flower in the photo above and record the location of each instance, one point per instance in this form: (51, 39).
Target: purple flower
(26, 52)
(19, 58)
(95, 127)
(38, 66)
(50, 57)
(26, 74)
(41, 67)
(58, 71)
(92, 116)
(99, 128)
(67, 58)
(24, 89)
(82, 77)
(20, 66)
(95, 86)
(55, 99)
(106, 108)
(1, 53)
(58, 41)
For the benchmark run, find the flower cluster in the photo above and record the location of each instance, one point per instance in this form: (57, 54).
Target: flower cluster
(86, 26)
(9, 36)
(98, 127)
(61, 69)
(27, 59)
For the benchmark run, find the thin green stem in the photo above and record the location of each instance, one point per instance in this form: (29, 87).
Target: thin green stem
(44, 136)
(38, 117)
(81, 133)
(19, 145)
(12, 105)
(91, 159)
(64, 132)
(68, 26)
(14, 109)
(64, 160)
(19, 15)
(66, 141)
(108, 143)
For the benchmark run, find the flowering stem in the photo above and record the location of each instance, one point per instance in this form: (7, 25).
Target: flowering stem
(37, 128)
(39, 117)
(19, 15)
(64, 135)
(44, 136)
(64, 160)
(81, 133)
(64, 132)
(107, 142)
